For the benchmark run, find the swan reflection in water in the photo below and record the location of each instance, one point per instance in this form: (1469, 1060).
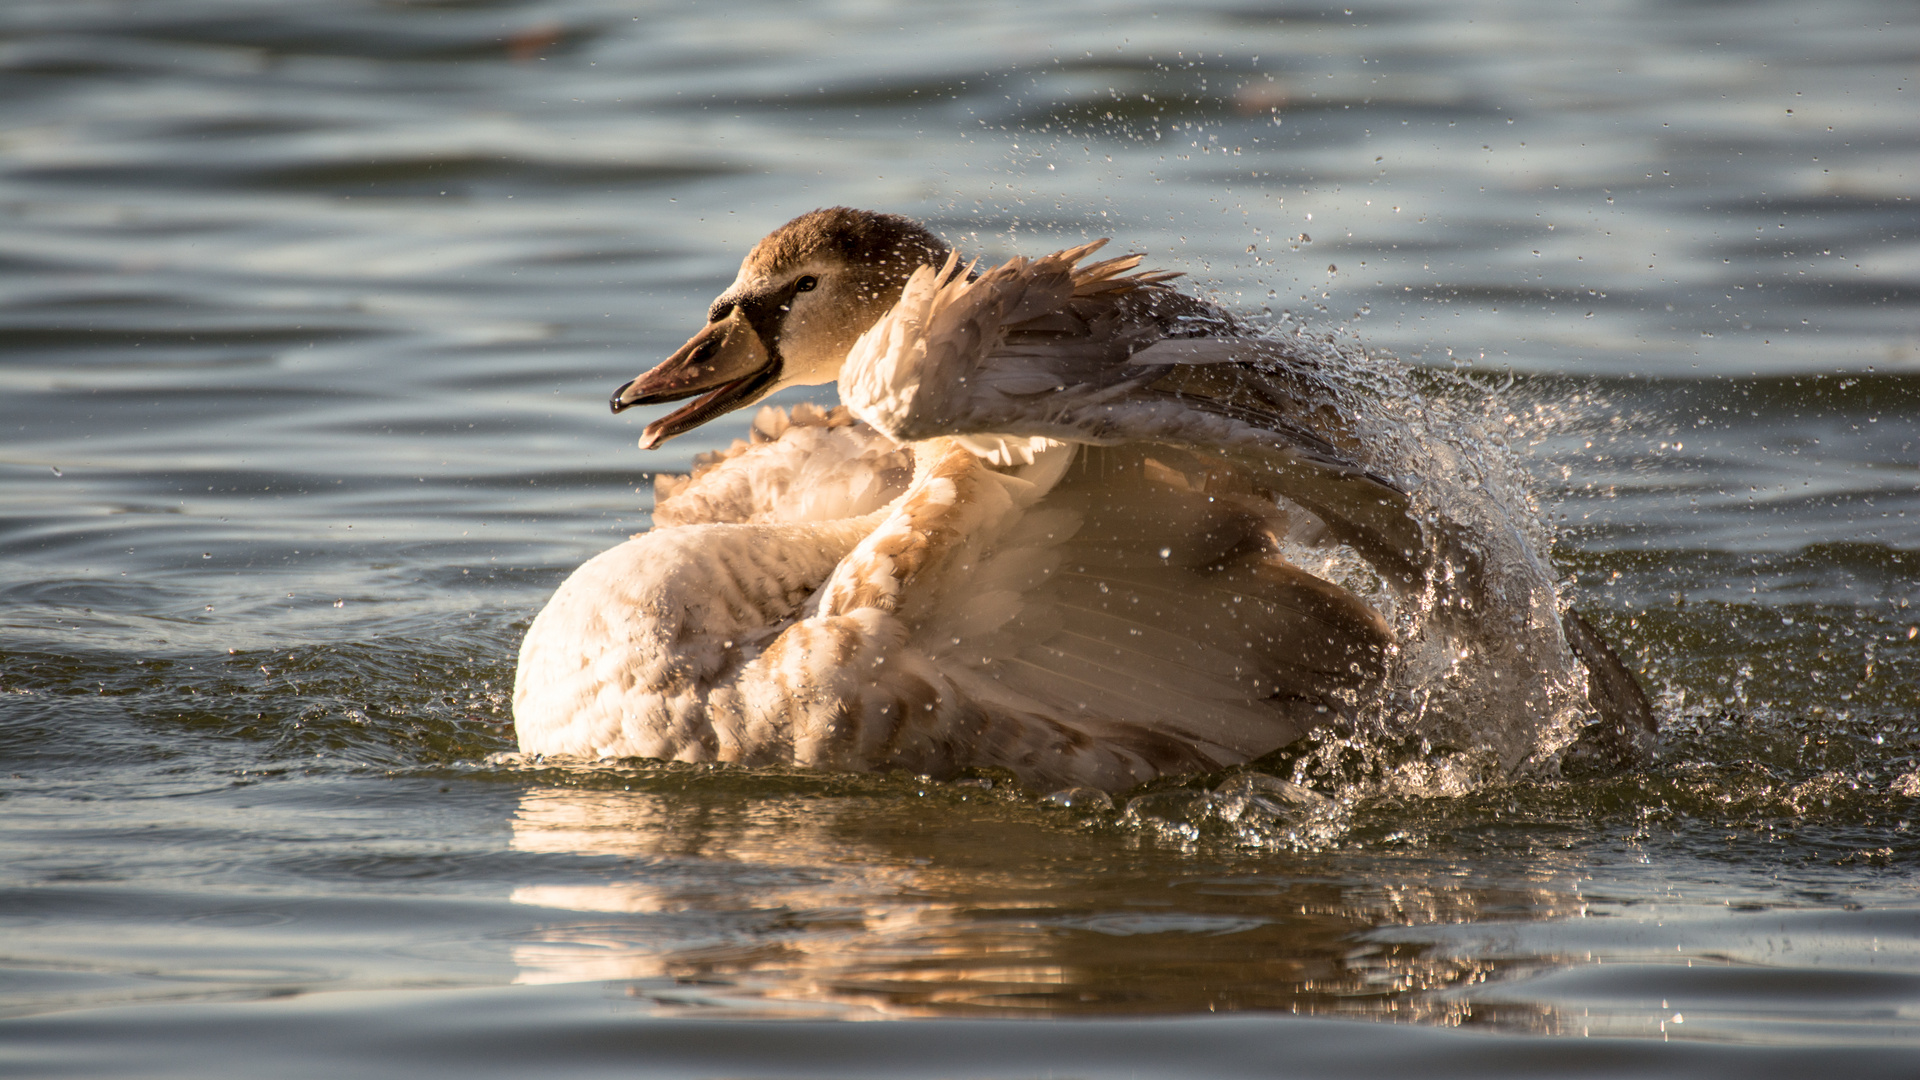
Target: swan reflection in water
(889, 905)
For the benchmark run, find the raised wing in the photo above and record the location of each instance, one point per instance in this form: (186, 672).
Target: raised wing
(1040, 349)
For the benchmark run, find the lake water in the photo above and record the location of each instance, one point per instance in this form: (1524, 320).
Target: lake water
(308, 317)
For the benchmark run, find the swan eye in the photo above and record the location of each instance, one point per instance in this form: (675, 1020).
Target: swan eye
(806, 284)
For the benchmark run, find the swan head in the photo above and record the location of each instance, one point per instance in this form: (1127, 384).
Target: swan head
(804, 295)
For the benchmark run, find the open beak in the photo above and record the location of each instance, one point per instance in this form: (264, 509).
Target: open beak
(727, 363)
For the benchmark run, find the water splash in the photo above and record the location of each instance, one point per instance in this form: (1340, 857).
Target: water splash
(1249, 809)
(1482, 683)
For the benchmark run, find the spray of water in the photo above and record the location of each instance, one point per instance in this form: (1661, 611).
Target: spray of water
(1482, 685)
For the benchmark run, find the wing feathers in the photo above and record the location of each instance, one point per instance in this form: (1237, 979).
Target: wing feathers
(1031, 348)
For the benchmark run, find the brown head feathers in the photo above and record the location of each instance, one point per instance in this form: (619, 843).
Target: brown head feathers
(886, 247)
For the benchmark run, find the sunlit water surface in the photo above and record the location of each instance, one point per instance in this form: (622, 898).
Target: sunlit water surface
(308, 315)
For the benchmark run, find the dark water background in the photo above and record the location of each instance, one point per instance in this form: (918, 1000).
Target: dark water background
(308, 315)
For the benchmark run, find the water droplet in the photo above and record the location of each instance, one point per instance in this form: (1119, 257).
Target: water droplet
(206, 555)
(339, 603)
(56, 470)
(1166, 553)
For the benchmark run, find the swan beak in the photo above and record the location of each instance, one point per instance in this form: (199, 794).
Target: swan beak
(727, 362)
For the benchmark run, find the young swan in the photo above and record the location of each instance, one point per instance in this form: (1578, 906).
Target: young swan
(1093, 572)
